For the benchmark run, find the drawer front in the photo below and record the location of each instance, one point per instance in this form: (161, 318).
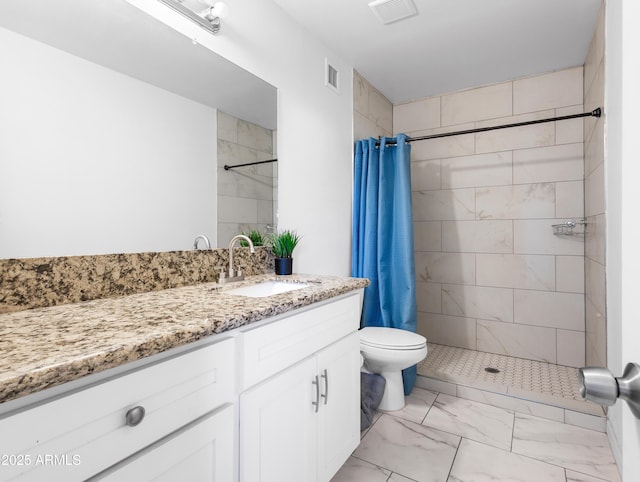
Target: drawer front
(205, 450)
(273, 347)
(80, 434)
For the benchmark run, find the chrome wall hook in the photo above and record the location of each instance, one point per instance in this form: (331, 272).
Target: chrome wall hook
(600, 386)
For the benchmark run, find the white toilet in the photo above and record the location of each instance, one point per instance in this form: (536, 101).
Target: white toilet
(388, 351)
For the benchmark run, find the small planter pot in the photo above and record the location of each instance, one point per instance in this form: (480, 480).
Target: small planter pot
(284, 266)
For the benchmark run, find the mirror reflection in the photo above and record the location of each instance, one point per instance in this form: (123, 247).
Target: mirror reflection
(114, 131)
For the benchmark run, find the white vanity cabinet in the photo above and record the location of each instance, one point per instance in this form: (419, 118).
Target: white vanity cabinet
(300, 408)
(276, 400)
(183, 407)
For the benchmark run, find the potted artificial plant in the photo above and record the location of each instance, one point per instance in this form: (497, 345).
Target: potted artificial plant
(282, 245)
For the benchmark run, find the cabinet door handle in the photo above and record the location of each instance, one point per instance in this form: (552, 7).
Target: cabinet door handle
(325, 395)
(134, 416)
(316, 382)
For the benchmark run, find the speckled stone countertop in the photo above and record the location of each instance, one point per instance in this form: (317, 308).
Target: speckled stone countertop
(45, 347)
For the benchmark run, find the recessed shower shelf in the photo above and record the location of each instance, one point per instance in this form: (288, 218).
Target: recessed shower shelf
(570, 228)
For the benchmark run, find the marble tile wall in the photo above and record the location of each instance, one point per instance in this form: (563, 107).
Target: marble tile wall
(595, 208)
(247, 195)
(372, 111)
(491, 274)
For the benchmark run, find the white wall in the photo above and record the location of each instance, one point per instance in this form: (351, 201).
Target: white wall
(104, 151)
(314, 123)
(623, 230)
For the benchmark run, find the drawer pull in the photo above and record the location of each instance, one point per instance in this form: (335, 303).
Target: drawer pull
(325, 395)
(135, 416)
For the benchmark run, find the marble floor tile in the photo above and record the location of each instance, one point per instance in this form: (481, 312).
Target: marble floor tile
(417, 405)
(473, 420)
(398, 478)
(577, 477)
(409, 449)
(477, 462)
(356, 470)
(575, 448)
(376, 416)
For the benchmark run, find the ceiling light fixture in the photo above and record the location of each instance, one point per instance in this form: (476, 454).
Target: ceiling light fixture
(214, 13)
(209, 18)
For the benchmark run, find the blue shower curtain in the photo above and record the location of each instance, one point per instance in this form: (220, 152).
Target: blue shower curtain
(382, 238)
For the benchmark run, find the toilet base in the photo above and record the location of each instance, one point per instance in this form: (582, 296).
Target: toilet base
(393, 397)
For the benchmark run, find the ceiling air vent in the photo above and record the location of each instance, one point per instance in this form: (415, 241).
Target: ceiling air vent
(331, 76)
(389, 11)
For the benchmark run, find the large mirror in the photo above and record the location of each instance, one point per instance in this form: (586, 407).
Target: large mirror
(114, 129)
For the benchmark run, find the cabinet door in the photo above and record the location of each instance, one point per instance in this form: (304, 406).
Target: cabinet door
(277, 427)
(276, 346)
(339, 414)
(204, 450)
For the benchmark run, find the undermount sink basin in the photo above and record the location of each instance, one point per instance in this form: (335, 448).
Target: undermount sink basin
(266, 288)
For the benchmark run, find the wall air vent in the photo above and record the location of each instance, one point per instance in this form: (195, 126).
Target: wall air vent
(390, 11)
(331, 76)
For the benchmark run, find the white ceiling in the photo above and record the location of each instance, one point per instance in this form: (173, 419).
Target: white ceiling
(451, 44)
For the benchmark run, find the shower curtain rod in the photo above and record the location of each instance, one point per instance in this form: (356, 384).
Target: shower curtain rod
(227, 167)
(594, 113)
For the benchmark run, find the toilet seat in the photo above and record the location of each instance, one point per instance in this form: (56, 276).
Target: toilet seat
(391, 338)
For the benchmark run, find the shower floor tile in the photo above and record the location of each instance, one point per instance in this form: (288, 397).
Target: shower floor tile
(555, 385)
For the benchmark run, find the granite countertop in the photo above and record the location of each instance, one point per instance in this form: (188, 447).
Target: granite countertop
(45, 347)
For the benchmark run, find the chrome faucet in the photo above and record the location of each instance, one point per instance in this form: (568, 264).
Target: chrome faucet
(204, 238)
(237, 275)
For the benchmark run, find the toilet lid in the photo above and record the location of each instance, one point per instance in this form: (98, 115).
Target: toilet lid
(383, 337)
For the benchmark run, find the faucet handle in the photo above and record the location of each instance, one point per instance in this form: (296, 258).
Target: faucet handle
(223, 274)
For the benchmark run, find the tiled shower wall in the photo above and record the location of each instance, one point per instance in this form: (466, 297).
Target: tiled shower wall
(491, 274)
(595, 263)
(372, 111)
(246, 195)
